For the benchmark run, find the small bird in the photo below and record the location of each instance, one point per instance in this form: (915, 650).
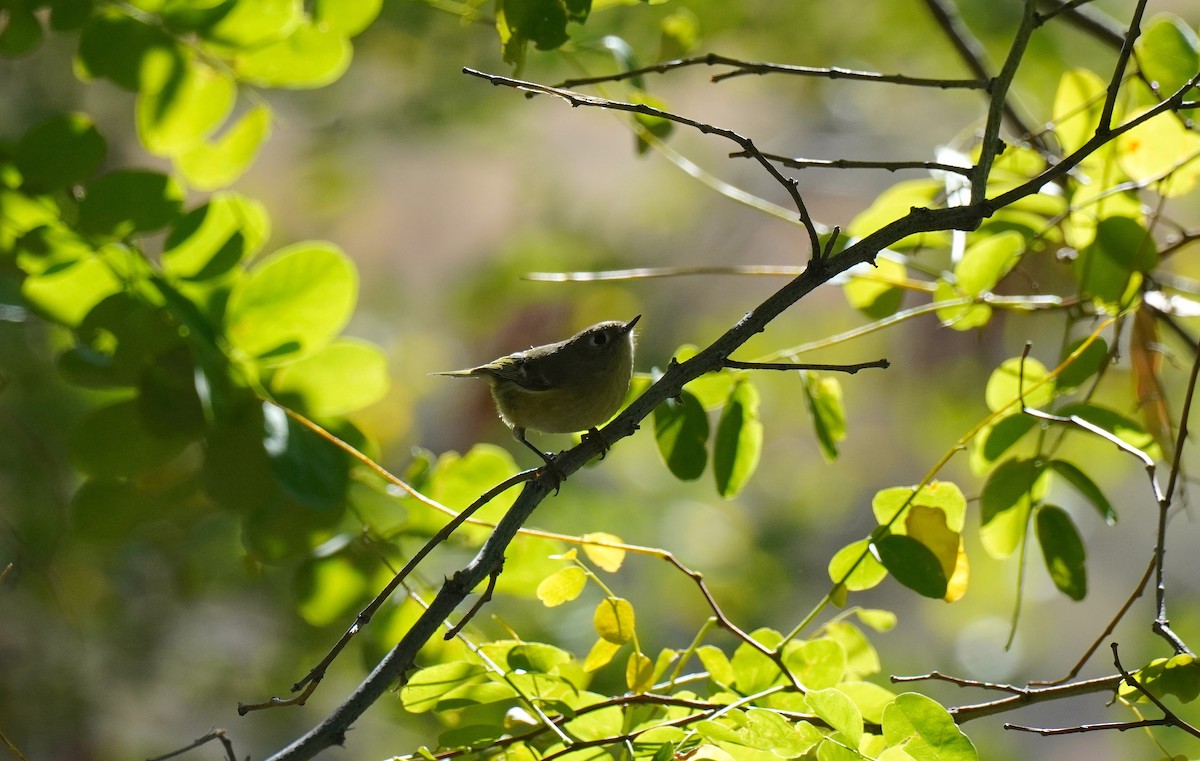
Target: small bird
(572, 385)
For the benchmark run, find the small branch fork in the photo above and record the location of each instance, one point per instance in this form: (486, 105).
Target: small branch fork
(579, 99)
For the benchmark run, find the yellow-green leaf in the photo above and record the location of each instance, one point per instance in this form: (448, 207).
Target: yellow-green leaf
(562, 586)
(614, 620)
(605, 558)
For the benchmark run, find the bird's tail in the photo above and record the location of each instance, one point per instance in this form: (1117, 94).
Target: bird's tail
(456, 373)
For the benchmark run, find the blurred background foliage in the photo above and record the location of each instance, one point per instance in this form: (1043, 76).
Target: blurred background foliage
(157, 584)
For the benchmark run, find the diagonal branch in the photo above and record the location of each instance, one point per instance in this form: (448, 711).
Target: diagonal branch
(402, 658)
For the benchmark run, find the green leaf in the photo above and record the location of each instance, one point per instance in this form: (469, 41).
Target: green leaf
(1162, 151)
(346, 17)
(181, 102)
(913, 564)
(819, 663)
(562, 586)
(113, 442)
(1089, 362)
(22, 31)
(870, 698)
(329, 590)
(308, 57)
(1063, 551)
(1168, 52)
(739, 439)
(891, 506)
(1002, 392)
(125, 202)
(995, 440)
(1087, 487)
(537, 657)
(600, 655)
(925, 730)
(959, 316)
(838, 711)
(681, 432)
(347, 375)
(1077, 107)
(767, 730)
(823, 395)
(251, 24)
(1111, 268)
(1005, 503)
(985, 263)
(1178, 675)
(895, 203)
(861, 657)
(460, 479)
(755, 671)
(873, 291)
(427, 686)
(64, 150)
(605, 558)
(114, 45)
(217, 163)
(639, 673)
(719, 669)
(292, 303)
(310, 469)
(67, 292)
(614, 620)
(542, 22)
(866, 574)
(212, 240)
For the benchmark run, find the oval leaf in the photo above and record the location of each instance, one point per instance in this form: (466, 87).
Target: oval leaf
(292, 303)
(738, 443)
(1063, 551)
(681, 432)
(614, 620)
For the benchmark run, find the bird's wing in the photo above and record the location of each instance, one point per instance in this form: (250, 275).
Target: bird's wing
(521, 372)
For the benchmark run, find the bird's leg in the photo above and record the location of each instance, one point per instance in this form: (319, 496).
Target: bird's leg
(592, 433)
(551, 467)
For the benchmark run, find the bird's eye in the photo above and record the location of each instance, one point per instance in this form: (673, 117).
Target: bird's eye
(599, 339)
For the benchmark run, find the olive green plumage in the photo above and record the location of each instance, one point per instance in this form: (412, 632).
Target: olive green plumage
(572, 385)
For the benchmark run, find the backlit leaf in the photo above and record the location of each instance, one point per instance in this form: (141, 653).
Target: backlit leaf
(614, 620)
(681, 432)
(1002, 392)
(347, 375)
(292, 303)
(925, 730)
(1005, 503)
(605, 558)
(912, 564)
(823, 395)
(1063, 551)
(1086, 487)
(562, 586)
(738, 444)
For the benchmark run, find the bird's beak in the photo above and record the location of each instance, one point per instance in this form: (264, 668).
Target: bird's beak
(629, 325)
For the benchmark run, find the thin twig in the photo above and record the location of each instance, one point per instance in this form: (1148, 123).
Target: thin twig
(890, 166)
(652, 272)
(1094, 23)
(1168, 714)
(998, 107)
(1114, 84)
(216, 734)
(483, 599)
(306, 685)
(851, 369)
(742, 68)
(579, 99)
